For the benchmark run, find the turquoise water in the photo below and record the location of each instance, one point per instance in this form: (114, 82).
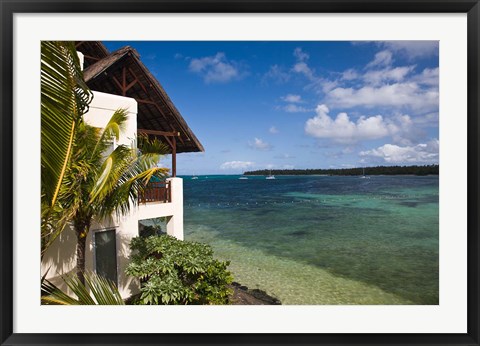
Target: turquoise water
(322, 239)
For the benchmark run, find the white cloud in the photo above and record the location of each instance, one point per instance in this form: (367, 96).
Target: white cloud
(273, 130)
(420, 153)
(384, 86)
(383, 58)
(342, 129)
(259, 144)
(326, 85)
(236, 165)
(277, 74)
(300, 54)
(429, 119)
(349, 74)
(407, 94)
(302, 68)
(429, 76)
(396, 74)
(413, 49)
(292, 98)
(293, 108)
(216, 69)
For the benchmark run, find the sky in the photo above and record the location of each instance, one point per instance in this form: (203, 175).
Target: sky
(298, 104)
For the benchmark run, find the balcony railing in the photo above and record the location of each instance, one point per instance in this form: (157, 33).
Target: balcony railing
(157, 192)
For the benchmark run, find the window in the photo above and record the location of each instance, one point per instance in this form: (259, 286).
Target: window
(106, 254)
(155, 226)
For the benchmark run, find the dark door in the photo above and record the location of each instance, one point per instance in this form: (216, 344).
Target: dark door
(106, 254)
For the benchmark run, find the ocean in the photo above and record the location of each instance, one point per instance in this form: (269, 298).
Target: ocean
(314, 240)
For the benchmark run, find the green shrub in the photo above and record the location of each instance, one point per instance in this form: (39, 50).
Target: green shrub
(178, 272)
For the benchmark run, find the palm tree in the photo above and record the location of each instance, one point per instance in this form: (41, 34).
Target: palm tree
(64, 99)
(98, 183)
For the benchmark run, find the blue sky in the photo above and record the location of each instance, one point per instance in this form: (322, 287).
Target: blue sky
(274, 105)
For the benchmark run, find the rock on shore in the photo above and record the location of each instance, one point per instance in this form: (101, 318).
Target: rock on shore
(242, 295)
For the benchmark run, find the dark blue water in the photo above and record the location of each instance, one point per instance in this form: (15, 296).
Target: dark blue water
(322, 239)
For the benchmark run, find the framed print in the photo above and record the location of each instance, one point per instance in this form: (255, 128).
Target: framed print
(240, 172)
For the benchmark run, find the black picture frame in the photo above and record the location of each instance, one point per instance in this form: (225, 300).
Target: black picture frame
(11, 7)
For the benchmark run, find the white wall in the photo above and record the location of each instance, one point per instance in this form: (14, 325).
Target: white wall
(102, 108)
(60, 257)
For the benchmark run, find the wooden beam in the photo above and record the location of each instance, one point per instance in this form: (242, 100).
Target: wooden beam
(160, 110)
(165, 135)
(179, 137)
(91, 57)
(131, 85)
(158, 133)
(170, 143)
(117, 82)
(124, 81)
(165, 117)
(174, 157)
(145, 101)
(140, 83)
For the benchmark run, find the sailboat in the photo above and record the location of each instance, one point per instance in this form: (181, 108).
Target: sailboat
(363, 174)
(270, 176)
(194, 177)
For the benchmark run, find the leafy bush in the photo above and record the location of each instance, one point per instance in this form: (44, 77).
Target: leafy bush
(177, 272)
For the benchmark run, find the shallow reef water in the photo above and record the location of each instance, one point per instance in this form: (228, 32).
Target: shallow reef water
(322, 239)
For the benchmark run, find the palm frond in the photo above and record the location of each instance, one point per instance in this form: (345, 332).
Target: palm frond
(112, 170)
(114, 127)
(96, 291)
(103, 290)
(64, 99)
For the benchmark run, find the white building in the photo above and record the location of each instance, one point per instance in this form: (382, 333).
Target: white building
(120, 80)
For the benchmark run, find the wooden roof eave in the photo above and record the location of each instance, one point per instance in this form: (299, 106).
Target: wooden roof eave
(104, 64)
(170, 105)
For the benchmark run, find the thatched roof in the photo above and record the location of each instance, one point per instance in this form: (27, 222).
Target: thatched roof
(92, 51)
(123, 73)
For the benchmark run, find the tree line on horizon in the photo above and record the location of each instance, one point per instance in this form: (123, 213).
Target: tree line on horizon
(377, 170)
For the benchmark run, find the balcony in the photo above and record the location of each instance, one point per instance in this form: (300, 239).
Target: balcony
(157, 192)
(163, 199)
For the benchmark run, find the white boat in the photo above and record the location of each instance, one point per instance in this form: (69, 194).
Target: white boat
(270, 176)
(194, 177)
(243, 178)
(363, 175)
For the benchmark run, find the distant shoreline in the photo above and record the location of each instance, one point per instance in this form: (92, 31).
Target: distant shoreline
(358, 171)
(333, 175)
